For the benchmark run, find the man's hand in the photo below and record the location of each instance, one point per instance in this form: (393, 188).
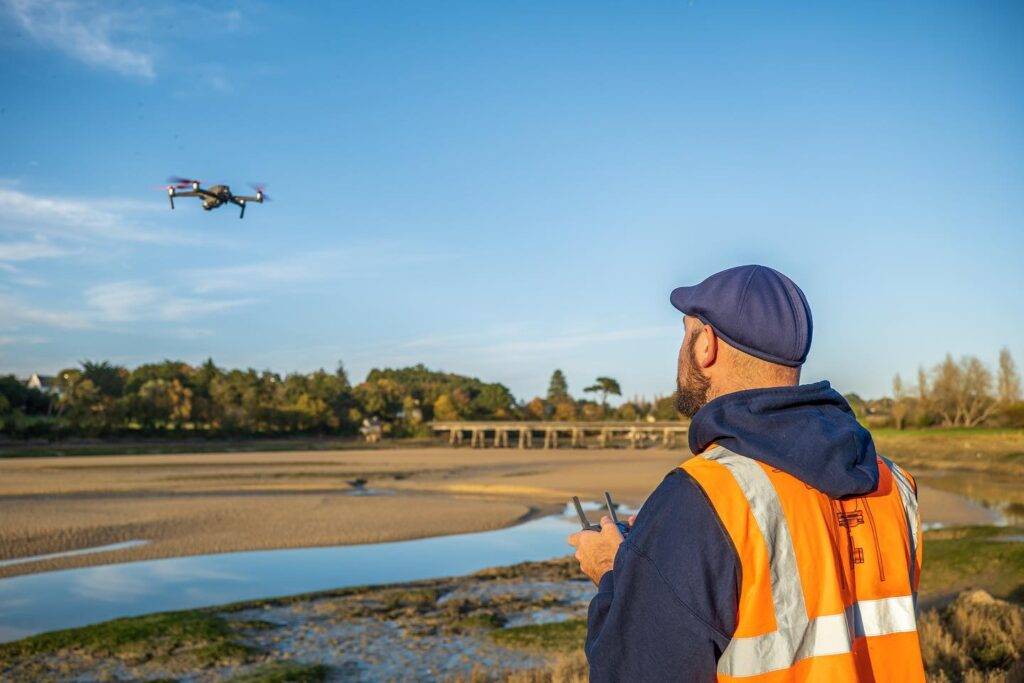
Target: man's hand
(595, 550)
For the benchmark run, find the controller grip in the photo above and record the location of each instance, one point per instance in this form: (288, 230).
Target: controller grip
(623, 528)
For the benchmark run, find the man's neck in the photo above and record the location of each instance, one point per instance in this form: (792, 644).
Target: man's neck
(717, 390)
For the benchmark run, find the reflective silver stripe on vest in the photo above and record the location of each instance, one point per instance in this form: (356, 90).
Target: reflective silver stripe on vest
(909, 500)
(882, 617)
(796, 637)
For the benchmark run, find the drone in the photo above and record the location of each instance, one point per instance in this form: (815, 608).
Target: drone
(213, 196)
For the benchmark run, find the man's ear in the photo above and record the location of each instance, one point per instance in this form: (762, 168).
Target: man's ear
(707, 347)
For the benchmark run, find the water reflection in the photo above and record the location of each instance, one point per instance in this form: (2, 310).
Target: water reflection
(1001, 495)
(75, 597)
(72, 553)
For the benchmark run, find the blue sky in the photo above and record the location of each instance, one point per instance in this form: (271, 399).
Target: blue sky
(500, 189)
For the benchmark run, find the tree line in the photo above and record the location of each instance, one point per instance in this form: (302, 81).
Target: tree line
(961, 392)
(173, 397)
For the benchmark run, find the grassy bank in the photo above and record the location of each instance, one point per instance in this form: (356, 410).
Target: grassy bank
(524, 623)
(999, 451)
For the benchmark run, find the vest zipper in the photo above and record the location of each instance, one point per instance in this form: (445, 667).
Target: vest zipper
(836, 554)
(874, 534)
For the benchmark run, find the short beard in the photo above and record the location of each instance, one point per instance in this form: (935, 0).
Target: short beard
(693, 396)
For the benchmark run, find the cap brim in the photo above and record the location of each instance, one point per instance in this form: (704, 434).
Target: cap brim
(681, 298)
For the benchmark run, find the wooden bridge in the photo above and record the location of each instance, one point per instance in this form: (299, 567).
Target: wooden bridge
(574, 434)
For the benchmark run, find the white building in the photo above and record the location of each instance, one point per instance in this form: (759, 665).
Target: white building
(44, 383)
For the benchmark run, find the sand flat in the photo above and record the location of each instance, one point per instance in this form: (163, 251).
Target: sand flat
(221, 502)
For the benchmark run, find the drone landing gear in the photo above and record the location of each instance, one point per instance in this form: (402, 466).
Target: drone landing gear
(242, 213)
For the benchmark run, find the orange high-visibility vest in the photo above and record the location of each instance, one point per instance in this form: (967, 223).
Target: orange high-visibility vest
(828, 588)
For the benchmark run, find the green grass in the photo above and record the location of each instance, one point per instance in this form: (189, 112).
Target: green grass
(484, 621)
(196, 638)
(952, 432)
(416, 598)
(283, 672)
(957, 559)
(563, 636)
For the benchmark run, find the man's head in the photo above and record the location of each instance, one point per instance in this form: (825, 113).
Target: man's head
(745, 328)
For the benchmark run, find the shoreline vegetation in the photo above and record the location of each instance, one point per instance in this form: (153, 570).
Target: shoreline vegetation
(523, 623)
(169, 398)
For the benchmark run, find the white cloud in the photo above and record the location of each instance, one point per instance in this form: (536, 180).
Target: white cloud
(115, 302)
(503, 341)
(79, 220)
(86, 31)
(15, 314)
(10, 341)
(30, 250)
(131, 301)
(308, 267)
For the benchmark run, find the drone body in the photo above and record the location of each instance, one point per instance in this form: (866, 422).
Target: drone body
(213, 196)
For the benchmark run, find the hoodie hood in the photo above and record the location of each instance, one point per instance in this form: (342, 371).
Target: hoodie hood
(808, 431)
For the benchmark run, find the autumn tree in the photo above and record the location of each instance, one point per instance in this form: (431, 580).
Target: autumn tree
(961, 392)
(899, 402)
(444, 409)
(1009, 380)
(536, 409)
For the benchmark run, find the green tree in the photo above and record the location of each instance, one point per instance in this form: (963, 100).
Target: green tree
(558, 387)
(20, 397)
(108, 379)
(605, 386)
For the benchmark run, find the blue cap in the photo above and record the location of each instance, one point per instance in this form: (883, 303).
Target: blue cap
(756, 309)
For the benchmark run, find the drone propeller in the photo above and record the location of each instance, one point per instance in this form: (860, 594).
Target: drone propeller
(180, 183)
(260, 190)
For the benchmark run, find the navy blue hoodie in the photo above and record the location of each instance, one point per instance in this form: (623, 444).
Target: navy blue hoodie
(667, 609)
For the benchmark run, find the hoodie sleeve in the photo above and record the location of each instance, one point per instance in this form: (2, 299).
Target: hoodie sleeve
(667, 609)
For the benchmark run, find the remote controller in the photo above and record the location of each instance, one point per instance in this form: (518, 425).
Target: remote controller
(585, 523)
(623, 527)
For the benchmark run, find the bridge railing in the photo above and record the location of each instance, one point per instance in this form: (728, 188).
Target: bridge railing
(575, 433)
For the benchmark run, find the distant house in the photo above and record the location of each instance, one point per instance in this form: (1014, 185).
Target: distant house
(44, 383)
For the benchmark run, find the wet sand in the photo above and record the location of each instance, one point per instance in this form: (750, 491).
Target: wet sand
(209, 503)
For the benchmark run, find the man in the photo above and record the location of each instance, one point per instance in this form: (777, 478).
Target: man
(786, 549)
